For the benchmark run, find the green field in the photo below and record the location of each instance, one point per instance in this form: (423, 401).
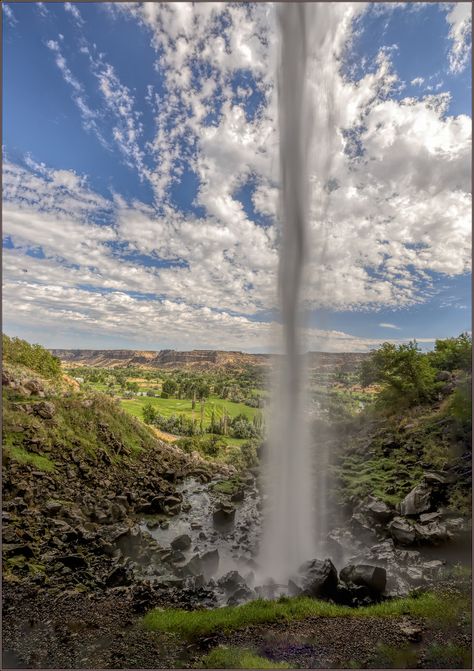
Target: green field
(174, 406)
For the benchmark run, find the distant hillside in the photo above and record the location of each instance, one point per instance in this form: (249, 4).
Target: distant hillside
(195, 359)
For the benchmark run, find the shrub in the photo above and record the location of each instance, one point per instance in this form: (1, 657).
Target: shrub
(36, 357)
(453, 353)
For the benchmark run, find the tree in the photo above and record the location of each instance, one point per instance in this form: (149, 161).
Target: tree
(453, 353)
(169, 387)
(149, 413)
(36, 357)
(405, 373)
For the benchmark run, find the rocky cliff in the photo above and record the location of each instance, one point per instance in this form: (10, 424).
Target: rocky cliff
(200, 359)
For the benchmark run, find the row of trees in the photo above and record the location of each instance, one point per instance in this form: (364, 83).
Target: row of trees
(238, 427)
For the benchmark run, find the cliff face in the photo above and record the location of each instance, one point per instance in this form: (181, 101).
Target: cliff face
(162, 359)
(197, 359)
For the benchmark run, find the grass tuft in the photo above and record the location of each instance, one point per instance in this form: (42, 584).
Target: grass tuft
(23, 457)
(238, 658)
(195, 623)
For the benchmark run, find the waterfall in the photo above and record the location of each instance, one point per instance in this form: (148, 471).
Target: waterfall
(295, 515)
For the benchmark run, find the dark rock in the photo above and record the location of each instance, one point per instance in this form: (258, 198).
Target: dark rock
(429, 517)
(118, 576)
(53, 507)
(206, 564)
(373, 577)
(239, 495)
(16, 549)
(231, 581)
(378, 509)
(319, 578)
(223, 515)
(419, 500)
(402, 531)
(240, 596)
(443, 376)
(432, 533)
(44, 409)
(74, 561)
(182, 542)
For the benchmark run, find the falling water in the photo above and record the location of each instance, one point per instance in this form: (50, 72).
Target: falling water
(294, 514)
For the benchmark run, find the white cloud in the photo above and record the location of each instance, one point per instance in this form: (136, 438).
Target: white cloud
(73, 10)
(390, 178)
(418, 81)
(389, 326)
(7, 10)
(459, 20)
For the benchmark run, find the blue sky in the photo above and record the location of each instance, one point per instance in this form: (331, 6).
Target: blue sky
(141, 182)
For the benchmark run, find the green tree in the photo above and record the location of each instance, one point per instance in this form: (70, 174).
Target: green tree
(404, 372)
(36, 357)
(453, 353)
(149, 413)
(170, 387)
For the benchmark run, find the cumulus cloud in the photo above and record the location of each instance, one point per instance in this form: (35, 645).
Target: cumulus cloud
(390, 178)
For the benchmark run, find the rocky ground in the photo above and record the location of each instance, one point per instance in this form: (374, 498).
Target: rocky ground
(81, 478)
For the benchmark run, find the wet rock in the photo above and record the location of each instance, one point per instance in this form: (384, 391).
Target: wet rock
(177, 557)
(206, 564)
(196, 525)
(241, 595)
(152, 524)
(224, 514)
(318, 578)
(231, 581)
(182, 542)
(237, 496)
(373, 577)
(402, 531)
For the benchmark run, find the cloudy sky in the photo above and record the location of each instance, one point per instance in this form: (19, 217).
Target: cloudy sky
(140, 175)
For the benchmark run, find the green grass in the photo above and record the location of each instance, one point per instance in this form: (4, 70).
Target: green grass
(238, 658)
(198, 622)
(39, 462)
(174, 406)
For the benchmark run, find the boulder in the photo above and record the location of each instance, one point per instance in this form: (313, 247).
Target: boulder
(419, 500)
(402, 531)
(318, 578)
(223, 515)
(433, 533)
(241, 595)
(73, 561)
(230, 582)
(377, 509)
(206, 564)
(373, 577)
(182, 542)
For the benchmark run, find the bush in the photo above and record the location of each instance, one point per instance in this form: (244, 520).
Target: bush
(149, 413)
(164, 394)
(453, 353)
(36, 357)
(405, 373)
(249, 454)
